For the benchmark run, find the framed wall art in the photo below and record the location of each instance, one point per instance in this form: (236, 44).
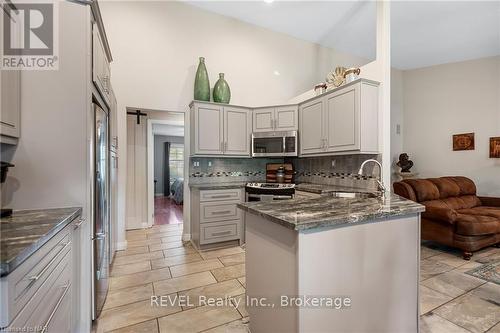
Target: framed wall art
(463, 141)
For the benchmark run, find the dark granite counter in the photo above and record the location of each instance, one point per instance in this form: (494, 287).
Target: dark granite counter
(26, 231)
(217, 186)
(330, 212)
(325, 189)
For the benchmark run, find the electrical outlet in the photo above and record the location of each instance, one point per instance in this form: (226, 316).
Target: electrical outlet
(398, 129)
(334, 162)
(196, 164)
(209, 163)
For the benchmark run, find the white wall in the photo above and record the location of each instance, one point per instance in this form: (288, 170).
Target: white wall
(156, 45)
(397, 88)
(443, 100)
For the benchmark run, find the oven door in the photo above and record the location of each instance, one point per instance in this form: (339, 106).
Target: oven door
(274, 144)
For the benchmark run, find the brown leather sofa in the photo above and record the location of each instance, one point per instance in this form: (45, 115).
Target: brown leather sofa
(454, 215)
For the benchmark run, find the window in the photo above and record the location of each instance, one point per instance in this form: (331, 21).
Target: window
(176, 159)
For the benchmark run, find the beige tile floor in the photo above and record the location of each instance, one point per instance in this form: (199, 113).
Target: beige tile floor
(158, 263)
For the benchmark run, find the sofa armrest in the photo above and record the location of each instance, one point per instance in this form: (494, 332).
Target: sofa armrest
(442, 214)
(490, 201)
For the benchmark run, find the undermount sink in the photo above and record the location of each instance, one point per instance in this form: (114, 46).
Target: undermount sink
(353, 195)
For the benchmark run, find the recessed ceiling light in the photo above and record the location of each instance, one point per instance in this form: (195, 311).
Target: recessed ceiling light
(276, 73)
(268, 1)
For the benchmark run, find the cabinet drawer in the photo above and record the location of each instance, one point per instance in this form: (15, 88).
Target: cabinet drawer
(47, 300)
(34, 277)
(220, 231)
(221, 195)
(219, 211)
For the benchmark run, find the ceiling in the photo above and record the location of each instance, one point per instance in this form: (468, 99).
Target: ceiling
(423, 33)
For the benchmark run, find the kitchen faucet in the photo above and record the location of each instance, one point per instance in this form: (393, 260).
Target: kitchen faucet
(380, 183)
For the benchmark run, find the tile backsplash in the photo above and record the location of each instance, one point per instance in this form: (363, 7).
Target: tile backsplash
(214, 169)
(334, 170)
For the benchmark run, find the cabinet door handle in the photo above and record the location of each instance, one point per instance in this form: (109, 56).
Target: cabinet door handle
(221, 212)
(222, 233)
(221, 196)
(58, 304)
(78, 224)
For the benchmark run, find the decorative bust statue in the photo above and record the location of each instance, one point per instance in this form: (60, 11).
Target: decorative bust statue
(404, 162)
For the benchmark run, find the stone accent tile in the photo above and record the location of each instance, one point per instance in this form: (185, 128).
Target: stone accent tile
(150, 326)
(489, 292)
(430, 268)
(229, 272)
(143, 242)
(165, 246)
(195, 267)
(471, 312)
(221, 252)
(234, 259)
(453, 283)
(136, 237)
(431, 299)
(119, 270)
(186, 249)
(426, 252)
(220, 290)
(450, 259)
(170, 239)
(432, 323)
(175, 260)
(237, 326)
(172, 233)
(239, 303)
(132, 314)
(125, 260)
(138, 278)
(198, 319)
(243, 281)
(182, 283)
(132, 250)
(128, 295)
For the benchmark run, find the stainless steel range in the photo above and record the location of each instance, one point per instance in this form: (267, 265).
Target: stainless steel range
(269, 191)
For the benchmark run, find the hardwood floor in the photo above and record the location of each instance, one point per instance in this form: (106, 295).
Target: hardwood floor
(167, 211)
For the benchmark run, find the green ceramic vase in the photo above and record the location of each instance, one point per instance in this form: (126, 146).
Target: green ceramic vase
(222, 93)
(201, 83)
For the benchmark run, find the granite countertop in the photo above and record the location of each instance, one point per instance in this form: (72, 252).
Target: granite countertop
(218, 186)
(331, 212)
(325, 189)
(26, 231)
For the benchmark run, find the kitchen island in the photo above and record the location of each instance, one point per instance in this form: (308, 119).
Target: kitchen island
(352, 262)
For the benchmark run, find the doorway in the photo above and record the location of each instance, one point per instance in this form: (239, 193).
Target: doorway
(166, 155)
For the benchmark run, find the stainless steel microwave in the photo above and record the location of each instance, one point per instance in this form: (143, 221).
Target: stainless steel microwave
(274, 144)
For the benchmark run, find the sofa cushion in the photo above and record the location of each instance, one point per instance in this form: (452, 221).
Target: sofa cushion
(462, 202)
(476, 225)
(466, 185)
(424, 189)
(482, 210)
(447, 187)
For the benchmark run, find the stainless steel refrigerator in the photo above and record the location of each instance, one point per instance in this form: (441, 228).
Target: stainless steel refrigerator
(100, 209)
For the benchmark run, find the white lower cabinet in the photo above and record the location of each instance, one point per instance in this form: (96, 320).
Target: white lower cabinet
(215, 218)
(39, 294)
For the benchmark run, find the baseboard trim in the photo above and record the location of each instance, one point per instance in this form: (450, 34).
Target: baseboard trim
(120, 246)
(186, 237)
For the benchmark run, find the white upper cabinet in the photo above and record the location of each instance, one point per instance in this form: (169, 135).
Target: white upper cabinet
(101, 73)
(343, 121)
(282, 118)
(263, 120)
(311, 127)
(237, 131)
(220, 130)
